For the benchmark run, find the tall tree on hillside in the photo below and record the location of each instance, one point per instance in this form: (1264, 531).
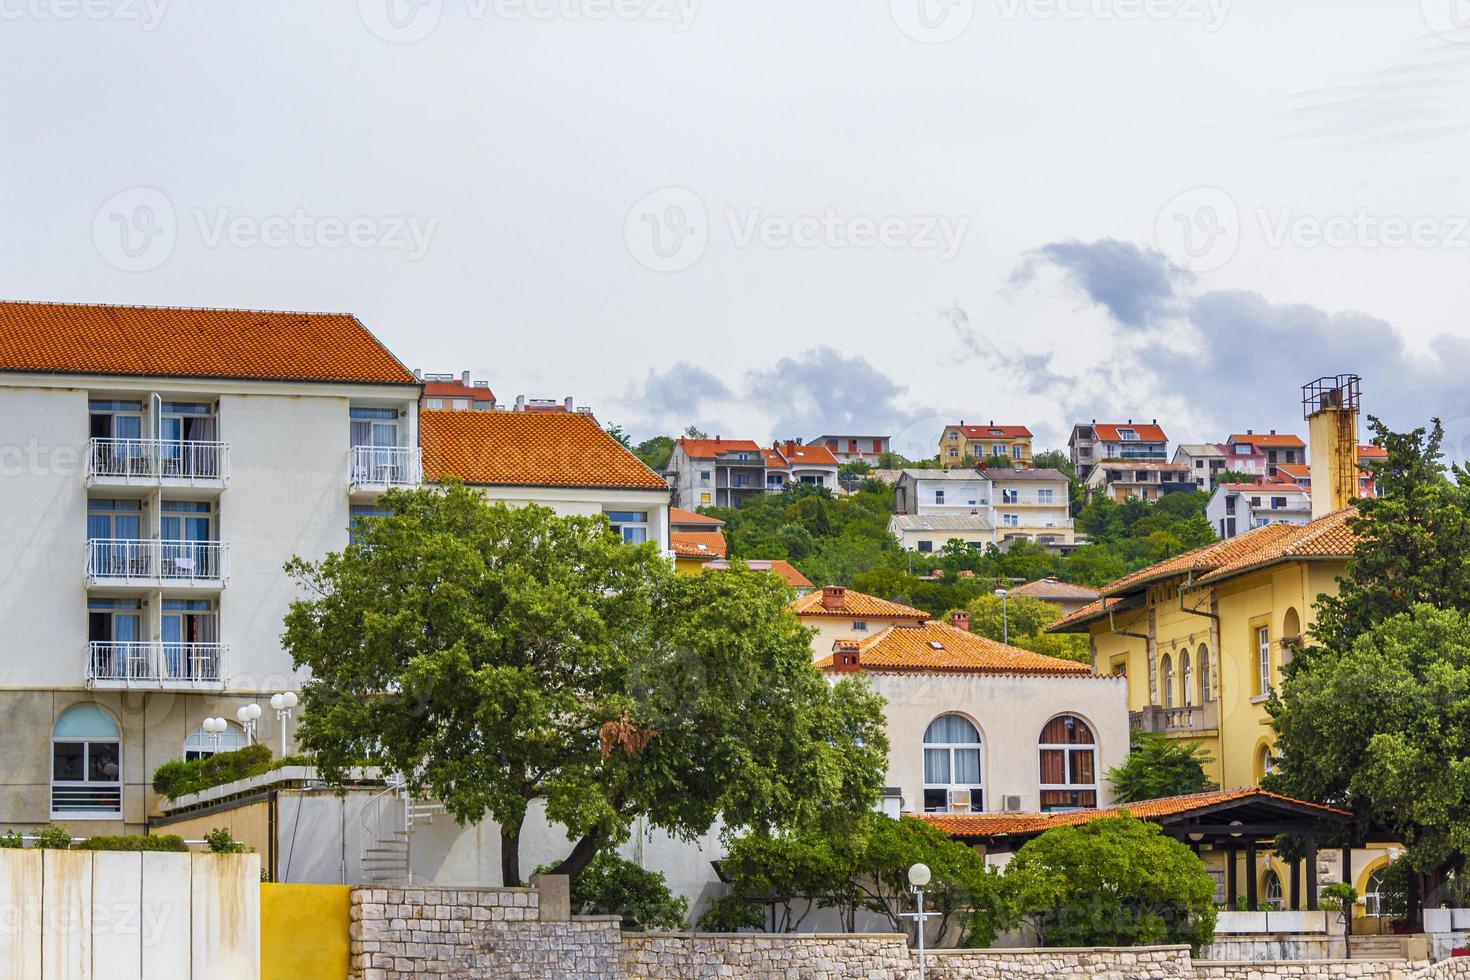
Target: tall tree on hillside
(496, 656)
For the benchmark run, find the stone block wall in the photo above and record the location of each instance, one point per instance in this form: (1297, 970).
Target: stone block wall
(1310, 969)
(810, 956)
(1152, 963)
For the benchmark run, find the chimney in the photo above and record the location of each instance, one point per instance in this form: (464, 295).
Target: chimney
(418, 373)
(832, 596)
(1330, 406)
(992, 421)
(1250, 432)
(846, 656)
(570, 403)
(1273, 432)
(520, 403)
(960, 620)
(464, 378)
(717, 438)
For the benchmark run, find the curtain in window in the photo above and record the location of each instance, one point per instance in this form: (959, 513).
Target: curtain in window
(1082, 772)
(1053, 767)
(936, 766)
(1066, 730)
(951, 730)
(967, 766)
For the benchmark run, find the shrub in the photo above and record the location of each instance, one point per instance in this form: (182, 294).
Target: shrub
(219, 841)
(12, 839)
(136, 842)
(179, 778)
(1112, 882)
(54, 837)
(612, 885)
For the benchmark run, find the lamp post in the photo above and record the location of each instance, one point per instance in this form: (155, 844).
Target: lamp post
(247, 715)
(1005, 625)
(283, 703)
(214, 728)
(918, 878)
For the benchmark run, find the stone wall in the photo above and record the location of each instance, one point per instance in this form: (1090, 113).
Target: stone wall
(810, 956)
(1152, 963)
(1285, 970)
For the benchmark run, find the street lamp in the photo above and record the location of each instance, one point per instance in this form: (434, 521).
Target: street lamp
(214, 728)
(919, 877)
(283, 703)
(1005, 626)
(247, 715)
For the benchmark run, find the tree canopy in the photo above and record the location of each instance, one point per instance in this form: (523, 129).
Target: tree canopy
(1159, 766)
(494, 656)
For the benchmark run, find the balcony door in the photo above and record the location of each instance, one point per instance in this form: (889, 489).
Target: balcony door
(190, 635)
(115, 632)
(119, 427)
(182, 427)
(114, 536)
(376, 428)
(186, 528)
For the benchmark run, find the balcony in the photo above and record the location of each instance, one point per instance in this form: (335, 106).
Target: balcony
(377, 468)
(1192, 719)
(154, 564)
(157, 463)
(164, 666)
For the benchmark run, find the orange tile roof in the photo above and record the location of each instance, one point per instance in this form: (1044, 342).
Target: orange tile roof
(1328, 537)
(1108, 432)
(1001, 824)
(709, 448)
(678, 515)
(697, 544)
(1369, 451)
(1270, 440)
(1271, 487)
(529, 449)
(773, 459)
(174, 342)
(912, 649)
(858, 605)
(457, 389)
(775, 566)
(1299, 471)
(1050, 588)
(1093, 610)
(808, 455)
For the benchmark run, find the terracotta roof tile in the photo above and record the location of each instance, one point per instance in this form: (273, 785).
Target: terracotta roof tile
(529, 449)
(1001, 824)
(856, 604)
(1269, 440)
(1327, 537)
(709, 448)
(174, 342)
(775, 566)
(697, 544)
(798, 455)
(940, 647)
(1086, 614)
(1108, 432)
(1050, 588)
(994, 431)
(773, 459)
(457, 389)
(678, 515)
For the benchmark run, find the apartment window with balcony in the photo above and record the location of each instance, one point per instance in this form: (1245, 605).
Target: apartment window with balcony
(1278, 503)
(190, 646)
(187, 432)
(115, 538)
(1011, 520)
(201, 745)
(630, 525)
(188, 545)
(1068, 765)
(119, 427)
(952, 765)
(115, 634)
(773, 480)
(1043, 496)
(86, 765)
(1010, 496)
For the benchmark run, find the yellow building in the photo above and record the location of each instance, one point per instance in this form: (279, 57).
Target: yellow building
(983, 442)
(695, 539)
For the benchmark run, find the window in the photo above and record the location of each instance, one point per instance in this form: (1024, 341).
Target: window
(356, 513)
(1016, 451)
(1186, 680)
(1167, 670)
(773, 480)
(436, 403)
(190, 639)
(376, 427)
(115, 636)
(954, 435)
(86, 765)
(200, 744)
(1043, 496)
(1265, 762)
(1010, 496)
(954, 454)
(1263, 660)
(461, 404)
(952, 765)
(1203, 659)
(1277, 503)
(1128, 435)
(111, 527)
(186, 528)
(631, 525)
(926, 547)
(1068, 765)
(939, 496)
(1271, 890)
(859, 626)
(1011, 520)
(1374, 899)
(704, 476)
(704, 498)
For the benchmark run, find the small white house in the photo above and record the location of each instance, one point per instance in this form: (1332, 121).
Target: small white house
(1235, 508)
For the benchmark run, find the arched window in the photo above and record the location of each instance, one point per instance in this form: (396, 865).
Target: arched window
(1271, 896)
(201, 744)
(1373, 897)
(1186, 679)
(952, 766)
(86, 765)
(1291, 635)
(1167, 672)
(1265, 762)
(1068, 764)
(1203, 659)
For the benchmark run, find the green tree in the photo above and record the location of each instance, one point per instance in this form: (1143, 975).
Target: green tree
(1114, 881)
(494, 656)
(1159, 766)
(613, 885)
(694, 432)
(655, 452)
(619, 434)
(1231, 476)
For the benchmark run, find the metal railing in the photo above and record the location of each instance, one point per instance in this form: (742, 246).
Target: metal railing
(384, 466)
(153, 460)
(155, 662)
(174, 562)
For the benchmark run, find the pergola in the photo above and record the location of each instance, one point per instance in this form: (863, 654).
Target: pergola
(1228, 822)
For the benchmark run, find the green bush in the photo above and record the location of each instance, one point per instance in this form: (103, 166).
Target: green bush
(136, 842)
(179, 778)
(54, 837)
(12, 839)
(612, 885)
(219, 841)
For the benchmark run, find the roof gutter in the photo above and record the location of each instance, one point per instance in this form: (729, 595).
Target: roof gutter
(1189, 581)
(1117, 632)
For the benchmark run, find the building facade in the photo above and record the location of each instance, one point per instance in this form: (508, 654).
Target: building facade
(1094, 442)
(1205, 461)
(453, 393)
(1235, 508)
(1274, 448)
(854, 449)
(1032, 505)
(715, 472)
(982, 442)
(1119, 479)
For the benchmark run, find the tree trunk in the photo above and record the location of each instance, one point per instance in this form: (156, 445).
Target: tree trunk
(582, 854)
(510, 855)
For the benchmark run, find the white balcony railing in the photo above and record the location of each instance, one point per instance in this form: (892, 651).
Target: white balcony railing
(157, 461)
(157, 562)
(155, 664)
(384, 466)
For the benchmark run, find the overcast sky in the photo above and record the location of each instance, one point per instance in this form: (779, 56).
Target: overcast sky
(776, 218)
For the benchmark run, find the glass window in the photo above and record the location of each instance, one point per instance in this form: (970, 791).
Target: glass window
(86, 764)
(939, 496)
(631, 525)
(200, 744)
(1204, 674)
(952, 766)
(436, 403)
(1043, 495)
(1263, 660)
(1374, 903)
(926, 547)
(356, 513)
(1167, 670)
(859, 626)
(1186, 679)
(1068, 765)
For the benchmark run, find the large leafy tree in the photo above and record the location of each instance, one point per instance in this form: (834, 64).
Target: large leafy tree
(1023, 623)
(1413, 539)
(495, 656)
(1115, 881)
(1159, 766)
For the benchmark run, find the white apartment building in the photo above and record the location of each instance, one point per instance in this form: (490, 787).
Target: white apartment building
(1203, 459)
(934, 507)
(854, 449)
(722, 472)
(1095, 442)
(1236, 508)
(160, 466)
(1033, 505)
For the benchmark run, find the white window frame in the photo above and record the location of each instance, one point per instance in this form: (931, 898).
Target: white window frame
(1263, 659)
(623, 527)
(976, 789)
(1011, 520)
(1043, 495)
(85, 783)
(939, 496)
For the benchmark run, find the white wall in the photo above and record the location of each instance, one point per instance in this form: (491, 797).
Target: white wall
(577, 501)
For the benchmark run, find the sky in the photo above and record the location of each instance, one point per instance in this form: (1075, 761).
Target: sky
(773, 219)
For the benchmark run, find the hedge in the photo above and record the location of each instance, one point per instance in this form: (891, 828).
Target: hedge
(162, 842)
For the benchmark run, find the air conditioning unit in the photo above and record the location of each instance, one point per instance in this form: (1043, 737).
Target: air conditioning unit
(1011, 804)
(959, 800)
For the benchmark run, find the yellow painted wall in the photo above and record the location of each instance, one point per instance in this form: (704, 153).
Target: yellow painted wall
(249, 824)
(688, 566)
(303, 932)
